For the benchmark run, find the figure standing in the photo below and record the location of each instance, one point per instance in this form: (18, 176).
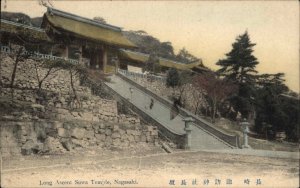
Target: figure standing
(151, 104)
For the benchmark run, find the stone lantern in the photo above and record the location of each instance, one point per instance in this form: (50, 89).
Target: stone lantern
(188, 123)
(245, 129)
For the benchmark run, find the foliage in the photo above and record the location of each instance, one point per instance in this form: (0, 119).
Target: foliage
(152, 64)
(99, 19)
(22, 18)
(185, 57)
(16, 17)
(172, 78)
(149, 44)
(216, 89)
(178, 80)
(239, 66)
(274, 110)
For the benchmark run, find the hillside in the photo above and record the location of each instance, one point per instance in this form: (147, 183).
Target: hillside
(22, 18)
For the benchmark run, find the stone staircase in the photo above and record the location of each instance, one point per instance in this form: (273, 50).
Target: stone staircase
(204, 135)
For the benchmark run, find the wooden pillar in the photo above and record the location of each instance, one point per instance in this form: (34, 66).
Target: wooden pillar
(104, 58)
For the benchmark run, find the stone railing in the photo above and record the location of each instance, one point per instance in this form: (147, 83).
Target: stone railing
(178, 139)
(6, 49)
(230, 140)
(140, 75)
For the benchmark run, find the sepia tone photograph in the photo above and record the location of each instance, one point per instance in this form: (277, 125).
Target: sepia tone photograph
(99, 93)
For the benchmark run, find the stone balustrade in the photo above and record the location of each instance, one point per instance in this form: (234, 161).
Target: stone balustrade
(6, 49)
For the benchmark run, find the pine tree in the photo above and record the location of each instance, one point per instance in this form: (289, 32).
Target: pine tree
(239, 66)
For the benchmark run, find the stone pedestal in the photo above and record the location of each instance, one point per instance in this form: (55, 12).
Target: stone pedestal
(245, 129)
(188, 122)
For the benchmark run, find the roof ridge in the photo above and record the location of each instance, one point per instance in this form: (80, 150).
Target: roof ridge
(162, 58)
(82, 19)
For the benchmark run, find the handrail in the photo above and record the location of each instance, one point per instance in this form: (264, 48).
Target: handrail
(154, 77)
(232, 140)
(177, 138)
(6, 49)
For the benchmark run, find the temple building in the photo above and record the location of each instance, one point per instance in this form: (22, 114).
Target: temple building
(85, 39)
(135, 61)
(82, 40)
(33, 38)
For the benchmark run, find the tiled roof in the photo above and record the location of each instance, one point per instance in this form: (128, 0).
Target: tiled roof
(24, 30)
(142, 58)
(86, 28)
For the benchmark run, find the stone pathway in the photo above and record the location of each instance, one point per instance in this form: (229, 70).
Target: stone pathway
(161, 113)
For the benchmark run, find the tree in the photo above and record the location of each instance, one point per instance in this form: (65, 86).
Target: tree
(197, 96)
(152, 64)
(166, 50)
(99, 19)
(172, 78)
(16, 17)
(18, 55)
(185, 78)
(275, 111)
(216, 89)
(239, 67)
(51, 67)
(149, 44)
(75, 70)
(185, 57)
(178, 80)
(291, 108)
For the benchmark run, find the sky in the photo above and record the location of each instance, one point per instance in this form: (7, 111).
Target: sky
(206, 29)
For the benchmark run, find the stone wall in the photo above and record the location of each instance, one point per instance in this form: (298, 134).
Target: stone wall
(38, 120)
(31, 137)
(57, 96)
(26, 77)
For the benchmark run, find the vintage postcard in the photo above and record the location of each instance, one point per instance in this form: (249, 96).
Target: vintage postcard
(149, 93)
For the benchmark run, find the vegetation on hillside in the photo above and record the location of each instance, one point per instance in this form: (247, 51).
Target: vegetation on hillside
(216, 90)
(22, 18)
(236, 88)
(152, 64)
(151, 45)
(259, 97)
(239, 67)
